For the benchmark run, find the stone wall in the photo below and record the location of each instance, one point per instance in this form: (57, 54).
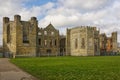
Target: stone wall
(48, 41)
(82, 41)
(108, 45)
(13, 43)
(25, 38)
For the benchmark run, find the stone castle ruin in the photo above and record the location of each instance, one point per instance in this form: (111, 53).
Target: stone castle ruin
(25, 38)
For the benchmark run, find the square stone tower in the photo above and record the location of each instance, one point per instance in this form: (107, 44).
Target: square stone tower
(19, 37)
(82, 41)
(114, 41)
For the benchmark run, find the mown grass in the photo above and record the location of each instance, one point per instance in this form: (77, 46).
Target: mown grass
(71, 68)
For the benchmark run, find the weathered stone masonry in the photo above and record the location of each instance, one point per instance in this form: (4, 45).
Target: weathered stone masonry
(25, 38)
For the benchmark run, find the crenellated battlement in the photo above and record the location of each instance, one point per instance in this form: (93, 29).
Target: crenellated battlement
(18, 34)
(17, 18)
(33, 18)
(114, 33)
(5, 20)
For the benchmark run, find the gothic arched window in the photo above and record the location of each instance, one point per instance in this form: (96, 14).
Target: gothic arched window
(76, 43)
(52, 33)
(25, 34)
(39, 33)
(45, 42)
(55, 42)
(8, 34)
(83, 43)
(50, 43)
(39, 41)
(45, 32)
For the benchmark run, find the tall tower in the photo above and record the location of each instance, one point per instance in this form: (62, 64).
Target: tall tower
(9, 37)
(68, 42)
(114, 41)
(6, 30)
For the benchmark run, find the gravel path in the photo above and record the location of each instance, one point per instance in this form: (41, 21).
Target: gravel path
(9, 71)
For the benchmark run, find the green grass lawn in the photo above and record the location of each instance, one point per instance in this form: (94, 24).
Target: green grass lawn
(71, 68)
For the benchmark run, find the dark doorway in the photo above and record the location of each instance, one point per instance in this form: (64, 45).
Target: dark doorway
(61, 52)
(49, 52)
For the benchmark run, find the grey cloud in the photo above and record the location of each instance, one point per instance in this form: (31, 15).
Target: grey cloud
(86, 5)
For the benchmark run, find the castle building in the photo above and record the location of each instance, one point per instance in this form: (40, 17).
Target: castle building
(48, 41)
(25, 38)
(82, 41)
(19, 37)
(108, 45)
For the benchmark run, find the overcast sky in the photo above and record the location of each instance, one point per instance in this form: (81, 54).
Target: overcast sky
(104, 14)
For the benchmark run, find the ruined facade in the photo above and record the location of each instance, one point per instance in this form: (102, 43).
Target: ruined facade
(82, 41)
(25, 38)
(48, 41)
(108, 45)
(19, 37)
